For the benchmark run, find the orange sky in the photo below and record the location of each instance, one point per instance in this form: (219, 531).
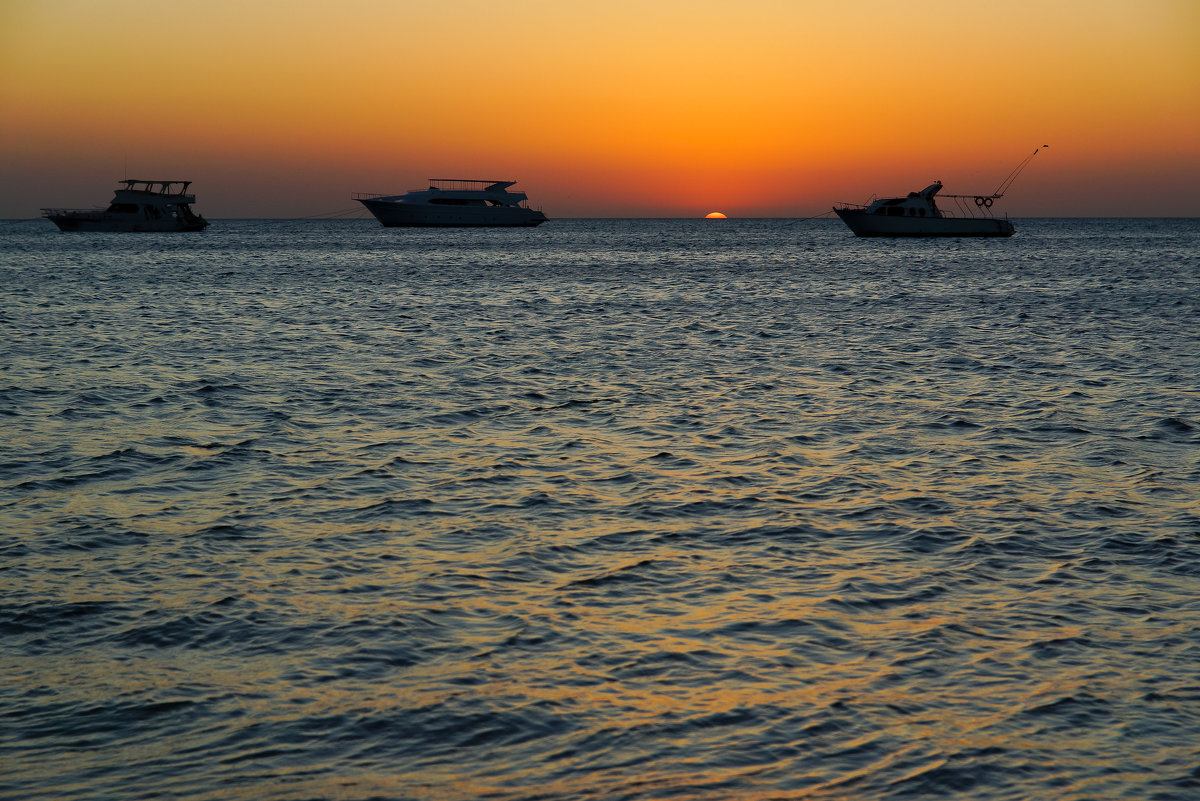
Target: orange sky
(640, 108)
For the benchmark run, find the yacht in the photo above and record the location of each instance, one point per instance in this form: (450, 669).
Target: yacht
(918, 214)
(454, 202)
(137, 206)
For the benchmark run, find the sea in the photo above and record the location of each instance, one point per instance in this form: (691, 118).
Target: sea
(603, 510)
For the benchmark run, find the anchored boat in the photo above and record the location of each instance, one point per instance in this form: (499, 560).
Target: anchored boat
(454, 202)
(918, 214)
(139, 206)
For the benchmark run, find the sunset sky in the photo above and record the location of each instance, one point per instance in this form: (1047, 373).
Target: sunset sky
(611, 109)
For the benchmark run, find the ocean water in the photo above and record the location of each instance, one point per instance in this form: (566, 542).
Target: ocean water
(605, 509)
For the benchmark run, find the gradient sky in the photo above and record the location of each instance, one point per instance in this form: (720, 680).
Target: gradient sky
(640, 108)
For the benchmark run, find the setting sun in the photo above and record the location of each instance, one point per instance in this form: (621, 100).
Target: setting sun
(714, 215)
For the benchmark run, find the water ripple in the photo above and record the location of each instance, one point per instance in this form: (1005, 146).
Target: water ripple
(603, 509)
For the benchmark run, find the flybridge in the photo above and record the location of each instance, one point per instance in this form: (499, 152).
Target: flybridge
(450, 185)
(164, 187)
(467, 184)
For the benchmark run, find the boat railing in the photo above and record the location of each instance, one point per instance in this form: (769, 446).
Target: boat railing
(983, 205)
(963, 211)
(377, 195)
(466, 184)
(63, 212)
(153, 198)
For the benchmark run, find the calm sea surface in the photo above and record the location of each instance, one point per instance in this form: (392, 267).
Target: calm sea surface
(608, 509)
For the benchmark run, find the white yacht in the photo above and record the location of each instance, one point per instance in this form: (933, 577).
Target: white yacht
(918, 214)
(454, 202)
(140, 206)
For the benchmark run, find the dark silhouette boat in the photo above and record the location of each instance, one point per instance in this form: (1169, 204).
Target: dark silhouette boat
(917, 214)
(140, 206)
(454, 202)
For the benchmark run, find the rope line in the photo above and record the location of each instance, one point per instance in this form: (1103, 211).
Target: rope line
(1012, 176)
(339, 214)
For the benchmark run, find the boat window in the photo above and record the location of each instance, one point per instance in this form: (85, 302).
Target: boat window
(895, 212)
(122, 208)
(922, 212)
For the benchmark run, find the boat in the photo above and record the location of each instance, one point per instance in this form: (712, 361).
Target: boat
(917, 214)
(454, 202)
(139, 205)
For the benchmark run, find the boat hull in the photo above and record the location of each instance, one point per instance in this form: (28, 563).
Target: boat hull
(863, 224)
(120, 223)
(403, 215)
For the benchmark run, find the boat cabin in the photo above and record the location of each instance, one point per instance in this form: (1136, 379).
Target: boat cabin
(916, 204)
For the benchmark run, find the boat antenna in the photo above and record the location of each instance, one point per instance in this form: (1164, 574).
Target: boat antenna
(1012, 176)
